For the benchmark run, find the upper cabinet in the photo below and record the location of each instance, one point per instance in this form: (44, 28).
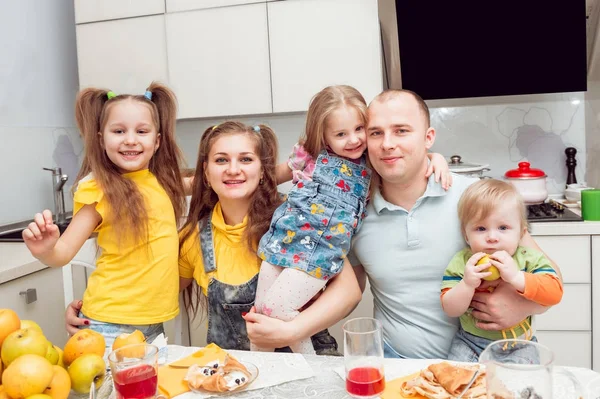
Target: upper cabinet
(123, 55)
(237, 57)
(186, 5)
(219, 61)
(103, 10)
(477, 48)
(317, 43)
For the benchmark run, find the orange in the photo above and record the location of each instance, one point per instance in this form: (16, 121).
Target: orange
(83, 342)
(136, 337)
(60, 386)
(9, 322)
(27, 375)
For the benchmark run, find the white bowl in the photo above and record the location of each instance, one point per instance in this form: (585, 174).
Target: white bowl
(573, 192)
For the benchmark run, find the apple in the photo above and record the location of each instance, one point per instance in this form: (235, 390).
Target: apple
(136, 351)
(52, 354)
(83, 342)
(9, 322)
(493, 269)
(60, 386)
(21, 342)
(3, 394)
(60, 357)
(85, 369)
(32, 325)
(39, 396)
(27, 375)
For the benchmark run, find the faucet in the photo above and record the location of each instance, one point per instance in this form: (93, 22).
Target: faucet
(58, 181)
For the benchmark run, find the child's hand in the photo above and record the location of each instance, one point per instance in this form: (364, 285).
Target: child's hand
(42, 234)
(474, 273)
(439, 167)
(507, 267)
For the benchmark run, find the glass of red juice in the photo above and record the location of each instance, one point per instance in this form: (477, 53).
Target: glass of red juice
(363, 358)
(134, 370)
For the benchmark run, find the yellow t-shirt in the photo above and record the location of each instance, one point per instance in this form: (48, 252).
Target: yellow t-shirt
(235, 263)
(134, 282)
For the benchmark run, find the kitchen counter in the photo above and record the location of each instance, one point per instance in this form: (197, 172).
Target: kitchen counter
(16, 261)
(564, 228)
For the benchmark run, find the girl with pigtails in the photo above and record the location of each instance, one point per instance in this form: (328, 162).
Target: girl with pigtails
(130, 192)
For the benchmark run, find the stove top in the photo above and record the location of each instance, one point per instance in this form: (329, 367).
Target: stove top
(551, 212)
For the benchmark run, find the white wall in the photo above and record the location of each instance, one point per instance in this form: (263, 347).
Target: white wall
(499, 131)
(38, 81)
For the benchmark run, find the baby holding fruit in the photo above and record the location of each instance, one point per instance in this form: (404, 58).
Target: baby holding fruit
(493, 221)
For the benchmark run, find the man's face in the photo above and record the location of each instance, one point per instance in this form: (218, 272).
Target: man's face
(398, 139)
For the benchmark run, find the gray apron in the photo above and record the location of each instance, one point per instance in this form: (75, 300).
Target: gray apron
(227, 302)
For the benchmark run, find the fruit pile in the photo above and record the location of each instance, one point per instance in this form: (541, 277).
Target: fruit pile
(32, 367)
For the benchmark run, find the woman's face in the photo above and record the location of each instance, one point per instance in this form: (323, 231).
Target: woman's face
(233, 168)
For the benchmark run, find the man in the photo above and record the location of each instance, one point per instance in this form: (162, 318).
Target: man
(410, 234)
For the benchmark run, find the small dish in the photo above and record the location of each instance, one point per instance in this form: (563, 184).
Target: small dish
(252, 369)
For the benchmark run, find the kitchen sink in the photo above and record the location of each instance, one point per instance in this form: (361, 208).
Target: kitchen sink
(17, 235)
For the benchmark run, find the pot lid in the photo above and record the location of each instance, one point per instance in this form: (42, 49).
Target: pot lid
(525, 172)
(457, 165)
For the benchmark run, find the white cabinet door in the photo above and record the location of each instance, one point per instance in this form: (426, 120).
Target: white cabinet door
(571, 254)
(185, 5)
(123, 55)
(49, 308)
(571, 348)
(219, 61)
(319, 43)
(102, 10)
(596, 300)
(574, 312)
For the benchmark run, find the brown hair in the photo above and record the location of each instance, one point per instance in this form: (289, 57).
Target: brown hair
(263, 203)
(392, 94)
(481, 198)
(321, 106)
(126, 204)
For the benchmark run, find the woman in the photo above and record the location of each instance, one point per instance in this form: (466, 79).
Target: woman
(234, 197)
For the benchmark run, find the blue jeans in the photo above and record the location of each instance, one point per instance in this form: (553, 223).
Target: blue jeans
(467, 347)
(390, 353)
(111, 331)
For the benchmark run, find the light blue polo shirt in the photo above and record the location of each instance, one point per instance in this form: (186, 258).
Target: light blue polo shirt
(404, 254)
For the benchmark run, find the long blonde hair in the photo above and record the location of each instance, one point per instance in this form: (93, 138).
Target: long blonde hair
(127, 210)
(323, 104)
(263, 203)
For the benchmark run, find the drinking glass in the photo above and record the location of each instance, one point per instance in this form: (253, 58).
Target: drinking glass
(134, 370)
(524, 369)
(363, 358)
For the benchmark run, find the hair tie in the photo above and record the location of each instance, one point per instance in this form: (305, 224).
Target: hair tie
(148, 95)
(256, 129)
(111, 94)
(214, 127)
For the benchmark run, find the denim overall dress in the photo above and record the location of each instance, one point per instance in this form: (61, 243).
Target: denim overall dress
(226, 303)
(313, 229)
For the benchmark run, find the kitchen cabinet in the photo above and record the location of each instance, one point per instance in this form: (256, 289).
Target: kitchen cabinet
(123, 55)
(186, 5)
(219, 61)
(103, 10)
(318, 43)
(595, 247)
(571, 320)
(47, 310)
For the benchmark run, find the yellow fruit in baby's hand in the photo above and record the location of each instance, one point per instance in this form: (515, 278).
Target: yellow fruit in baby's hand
(136, 337)
(26, 376)
(493, 269)
(60, 386)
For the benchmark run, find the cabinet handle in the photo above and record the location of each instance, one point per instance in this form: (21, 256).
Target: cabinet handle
(30, 295)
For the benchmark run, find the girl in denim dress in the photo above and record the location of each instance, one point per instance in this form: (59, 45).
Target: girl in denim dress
(310, 233)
